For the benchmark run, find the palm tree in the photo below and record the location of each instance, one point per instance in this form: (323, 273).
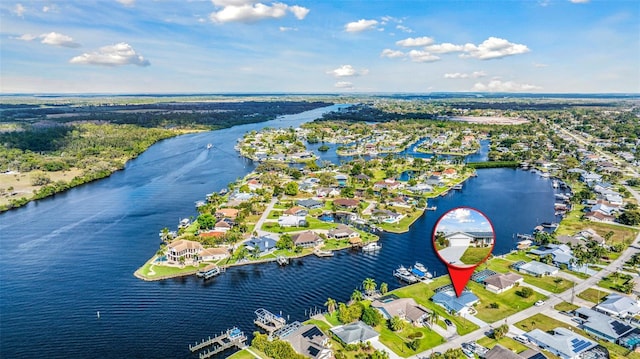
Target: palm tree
(396, 323)
(432, 317)
(384, 288)
(356, 296)
(369, 285)
(331, 305)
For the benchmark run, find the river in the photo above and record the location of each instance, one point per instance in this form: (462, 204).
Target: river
(65, 258)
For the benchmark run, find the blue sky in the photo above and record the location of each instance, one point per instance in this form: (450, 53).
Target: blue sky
(214, 46)
(463, 220)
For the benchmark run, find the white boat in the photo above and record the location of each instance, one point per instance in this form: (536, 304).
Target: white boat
(283, 261)
(545, 175)
(371, 247)
(420, 271)
(432, 208)
(209, 271)
(554, 184)
(458, 186)
(404, 275)
(209, 146)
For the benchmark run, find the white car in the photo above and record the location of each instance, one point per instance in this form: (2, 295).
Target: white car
(521, 339)
(539, 303)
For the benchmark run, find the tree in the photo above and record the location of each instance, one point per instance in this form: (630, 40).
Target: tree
(371, 316)
(285, 242)
(206, 221)
(291, 189)
(608, 235)
(525, 292)
(384, 288)
(396, 324)
(500, 331)
(369, 285)
(331, 305)
(630, 218)
(356, 296)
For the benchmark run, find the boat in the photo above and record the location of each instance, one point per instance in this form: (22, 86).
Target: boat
(223, 191)
(432, 208)
(555, 184)
(458, 186)
(420, 271)
(321, 253)
(549, 224)
(545, 175)
(209, 146)
(371, 247)
(283, 261)
(209, 271)
(404, 275)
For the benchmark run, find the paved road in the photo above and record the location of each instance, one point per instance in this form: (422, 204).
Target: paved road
(264, 216)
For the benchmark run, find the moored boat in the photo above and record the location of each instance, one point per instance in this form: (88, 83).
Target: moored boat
(209, 271)
(420, 271)
(371, 247)
(283, 261)
(404, 275)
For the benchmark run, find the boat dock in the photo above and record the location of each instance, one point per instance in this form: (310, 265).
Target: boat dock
(268, 321)
(233, 337)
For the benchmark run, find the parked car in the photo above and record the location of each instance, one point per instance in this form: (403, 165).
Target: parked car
(522, 339)
(539, 303)
(448, 322)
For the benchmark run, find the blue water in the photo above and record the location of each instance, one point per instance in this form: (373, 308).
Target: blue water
(65, 258)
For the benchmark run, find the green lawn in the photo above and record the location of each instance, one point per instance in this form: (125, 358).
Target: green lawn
(508, 302)
(475, 255)
(314, 223)
(422, 292)
(332, 318)
(162, 271)
(275, 214)
(497, 265)
(548, 283)
(403, 225)
(518, 256)
(320, 324)
(593, 295)
(576, 274)
(613, 282)
(243, 354)
(398, 341)
(504, 341)
(565, 307)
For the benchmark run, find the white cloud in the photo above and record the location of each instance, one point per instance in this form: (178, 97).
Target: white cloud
(493, 48)
(461, 75)
(412, 42)
(26, 37)
(404, 29)
(459, 215)
(57, 39)
(360, 25)
(579, 1)
(422, 56)
(539, 65)
(112, 55)
(503, 86)
(19, 10)
(251, 11)
(392, 54)
(444, 48)
(347, 71)
(344, 85)
(127, 2)
(298, 11)
(284, 28)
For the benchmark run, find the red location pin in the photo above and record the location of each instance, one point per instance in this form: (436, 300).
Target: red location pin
(463, 238)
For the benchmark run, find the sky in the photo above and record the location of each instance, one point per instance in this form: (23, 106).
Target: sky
(303, 46)
(463, 220)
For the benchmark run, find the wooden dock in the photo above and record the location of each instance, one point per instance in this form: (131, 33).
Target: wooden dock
(231, 338)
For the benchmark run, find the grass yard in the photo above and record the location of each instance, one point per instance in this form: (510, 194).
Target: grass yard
(504, 341)
(576, 274)
(615, 281)
(475, 255)
(518, 256)
(404, 224)
(399, 341)
(593, 295)
(497, 265)
(565, 307)
(332, 318)
(243, 354)
(572, 224)
(508, 302)
(550, 284)
(422, 292)
(314, 223)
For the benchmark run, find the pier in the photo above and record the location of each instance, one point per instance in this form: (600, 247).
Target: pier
(268, 321)
(233, 337)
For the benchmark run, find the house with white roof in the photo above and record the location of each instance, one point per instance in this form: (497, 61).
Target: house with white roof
(537, 269)
(619, 305)
(602, 325)
(561, 253)
(561, 341)
(354, 333)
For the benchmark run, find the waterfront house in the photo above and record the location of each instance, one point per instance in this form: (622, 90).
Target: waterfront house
(420, 188)
(601, 325)
(342, 232)
(310, 341)
(183, 248)
(292, 221)
(385, 215)
(499, 283)
(405, 308)
(399, 202)
(346, 203)
(355, 333)
(435, 180)
(227, 213)
(307, 239)
(389, 183)
(590, 177)
(599, 217)
(536, 268)
(454, 304)
(309, 203)
(449, 173)
(254, 185)
(619, 305)
(296, 211)
(214, 254)
(561, 341)
(264, 244)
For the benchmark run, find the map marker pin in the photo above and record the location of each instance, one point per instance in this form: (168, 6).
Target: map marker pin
(463, 238)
